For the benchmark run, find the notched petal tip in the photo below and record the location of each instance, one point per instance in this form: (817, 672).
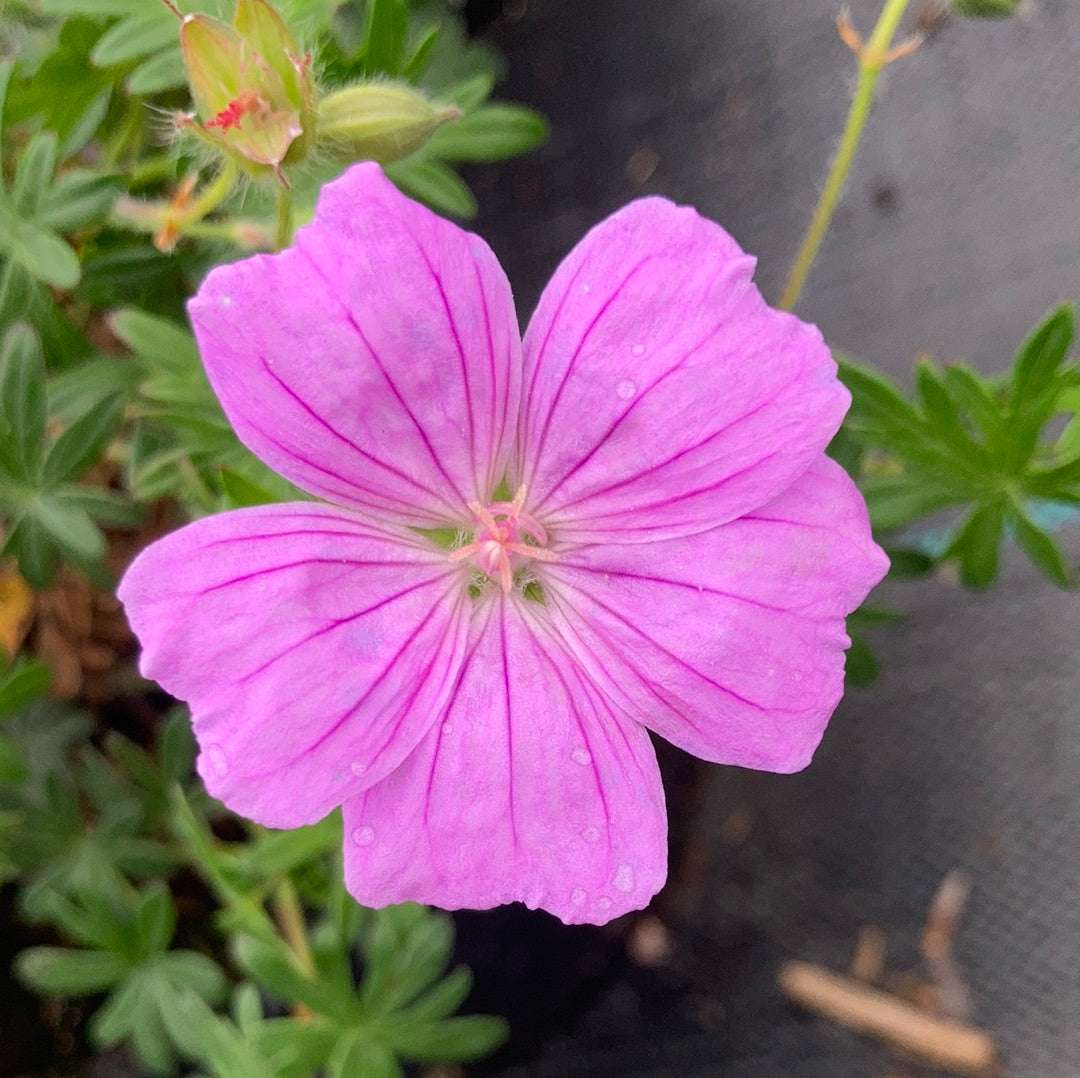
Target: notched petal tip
(529, 788)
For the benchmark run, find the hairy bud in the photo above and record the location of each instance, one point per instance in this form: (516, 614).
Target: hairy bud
(378, 121)
(253, 91)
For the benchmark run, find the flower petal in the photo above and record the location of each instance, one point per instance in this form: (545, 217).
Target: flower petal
(729, 643)
(314, 651)
(532, 788)
(376, 361)
(661, 395)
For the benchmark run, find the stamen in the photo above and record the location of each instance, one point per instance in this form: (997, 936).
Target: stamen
(502, 529)
(539, 553)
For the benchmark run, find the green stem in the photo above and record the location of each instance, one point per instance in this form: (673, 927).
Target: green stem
(152, 170)
(290, 918)
(213, 195)
(283, 232)
(872, 60)
(204, 856)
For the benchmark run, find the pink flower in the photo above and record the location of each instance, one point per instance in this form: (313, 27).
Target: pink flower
(671, 549)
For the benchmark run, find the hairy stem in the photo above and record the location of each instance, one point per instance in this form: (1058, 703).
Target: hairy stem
(873, 57)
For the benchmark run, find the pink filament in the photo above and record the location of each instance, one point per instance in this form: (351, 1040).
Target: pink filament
(501, 529)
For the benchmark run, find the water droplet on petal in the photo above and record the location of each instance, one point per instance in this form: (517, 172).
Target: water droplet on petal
(586, 288)
(590, 834)
(357, 768)
(603, 903)
(226, 301)
(581, 755)
(625, 389)
(638, 349)
(624, 878)
(577, 896)
(218, 761)
(363, 836)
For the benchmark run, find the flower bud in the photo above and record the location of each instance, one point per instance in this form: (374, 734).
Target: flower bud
(986, 9)
(253, 91)
(378, 121)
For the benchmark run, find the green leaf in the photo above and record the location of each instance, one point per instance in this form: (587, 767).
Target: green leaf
(193, 970)
(452, 1040)
(242, 492)
(58, 971)
(908, 563)
(384, 37)
(12, 771)
(32, 177)
(861, 667)
(1044, 553)
(274, 853)
(202, 1035)
(435, 184)
(149, 1037)
(76, 111)
(83, 442)
(421, 54)
(978, 545)
(22, 397)
(70, 528)
(23, 682)
(155, 919)
(472, 92)
(357, 1054)
(305, 1045)
(44, 254)
(440, 1001)
(1042, 354)
(159, 340)
(24, 297)
(272, 966)
(34, 550)
(136, 36)
(942, 413)
(407, 949)
(120, 1014)
(896, 501)
(972, 394)
(79, 388)
(176, 747)
(101, 8)
(489, 133)
(106, 507)
(78, 198)
(876, 397)
(246, 1006)
(163, 71)
(6, 68)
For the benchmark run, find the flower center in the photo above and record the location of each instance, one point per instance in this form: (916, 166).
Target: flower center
(504, 536)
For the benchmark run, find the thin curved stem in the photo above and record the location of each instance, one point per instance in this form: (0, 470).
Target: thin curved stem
(873, 57)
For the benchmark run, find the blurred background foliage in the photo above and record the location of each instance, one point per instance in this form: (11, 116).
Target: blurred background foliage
(193, 938)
